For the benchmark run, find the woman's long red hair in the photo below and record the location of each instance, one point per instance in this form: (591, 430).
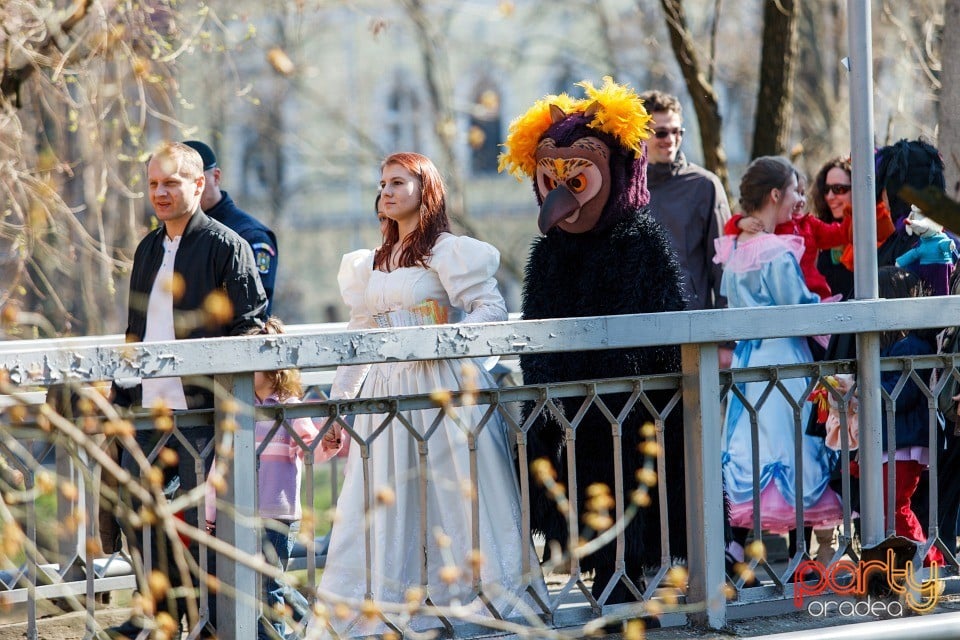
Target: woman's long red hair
(417, 246)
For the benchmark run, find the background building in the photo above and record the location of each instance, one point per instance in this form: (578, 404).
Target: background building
(301, 99)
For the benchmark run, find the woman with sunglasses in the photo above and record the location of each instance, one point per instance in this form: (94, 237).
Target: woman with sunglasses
(832, 202)
(832, 199)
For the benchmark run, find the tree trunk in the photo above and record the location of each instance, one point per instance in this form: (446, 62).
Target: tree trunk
(775, 95)
(949, 104)
(701, 91)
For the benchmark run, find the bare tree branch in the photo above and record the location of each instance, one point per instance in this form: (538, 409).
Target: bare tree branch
(714, 30)
(436, 74)
(12, 77)
(920, 56)
(704, 97)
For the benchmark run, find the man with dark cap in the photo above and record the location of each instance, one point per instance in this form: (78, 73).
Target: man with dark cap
(218, 204)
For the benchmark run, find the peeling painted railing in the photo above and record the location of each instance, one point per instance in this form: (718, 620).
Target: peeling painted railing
(39, 364)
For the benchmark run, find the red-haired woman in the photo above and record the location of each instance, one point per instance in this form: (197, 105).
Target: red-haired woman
(423, 274)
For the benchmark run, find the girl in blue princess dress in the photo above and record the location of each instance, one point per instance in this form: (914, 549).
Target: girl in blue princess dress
(762, 269)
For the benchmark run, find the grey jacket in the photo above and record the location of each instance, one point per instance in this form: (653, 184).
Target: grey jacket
(690, 203)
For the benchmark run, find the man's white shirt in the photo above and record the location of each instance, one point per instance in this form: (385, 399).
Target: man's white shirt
(160, 328)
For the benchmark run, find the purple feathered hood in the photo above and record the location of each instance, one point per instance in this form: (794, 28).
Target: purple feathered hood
(628, 174)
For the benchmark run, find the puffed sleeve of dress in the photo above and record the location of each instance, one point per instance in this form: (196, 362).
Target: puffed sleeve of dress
(354, 274)
(466, 267)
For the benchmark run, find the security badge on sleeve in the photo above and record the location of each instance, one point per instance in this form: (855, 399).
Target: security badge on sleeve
(263, 253)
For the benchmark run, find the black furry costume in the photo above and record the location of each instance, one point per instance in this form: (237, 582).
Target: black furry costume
(622, 265)
(627, 269)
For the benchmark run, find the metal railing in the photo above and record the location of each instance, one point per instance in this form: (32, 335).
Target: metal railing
(699, 390)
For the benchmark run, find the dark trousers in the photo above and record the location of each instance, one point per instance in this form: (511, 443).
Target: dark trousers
(184, 474)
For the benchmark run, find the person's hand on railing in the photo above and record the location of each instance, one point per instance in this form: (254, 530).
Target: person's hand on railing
(330, 444)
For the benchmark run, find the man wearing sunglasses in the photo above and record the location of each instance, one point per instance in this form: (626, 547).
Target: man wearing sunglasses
(687, 200)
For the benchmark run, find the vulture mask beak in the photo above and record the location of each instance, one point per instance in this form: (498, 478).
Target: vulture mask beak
(558, 205)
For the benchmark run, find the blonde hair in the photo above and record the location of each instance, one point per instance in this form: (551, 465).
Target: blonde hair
(189, 161)
(284, 382)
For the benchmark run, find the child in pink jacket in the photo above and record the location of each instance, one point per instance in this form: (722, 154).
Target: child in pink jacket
(279, 474)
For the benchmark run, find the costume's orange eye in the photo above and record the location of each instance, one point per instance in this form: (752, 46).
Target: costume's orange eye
(577, 184)
(549, 184)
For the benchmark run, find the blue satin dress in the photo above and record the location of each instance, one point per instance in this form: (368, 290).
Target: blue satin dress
(764, 271)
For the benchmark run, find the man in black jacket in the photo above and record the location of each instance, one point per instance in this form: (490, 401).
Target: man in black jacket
(218, 204)
(192, 278)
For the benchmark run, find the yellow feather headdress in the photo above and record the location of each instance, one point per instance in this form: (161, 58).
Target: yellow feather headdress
(618, 111)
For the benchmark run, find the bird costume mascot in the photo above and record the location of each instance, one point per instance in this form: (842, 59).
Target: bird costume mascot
(601, 253)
